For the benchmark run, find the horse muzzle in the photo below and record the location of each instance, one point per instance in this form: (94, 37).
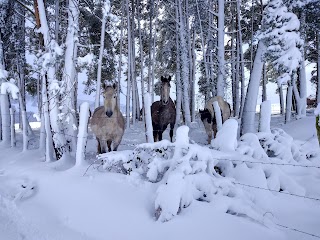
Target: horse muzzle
(109, 113)
(165, 102)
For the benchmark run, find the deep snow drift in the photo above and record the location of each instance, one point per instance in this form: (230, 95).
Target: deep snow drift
(180, 190)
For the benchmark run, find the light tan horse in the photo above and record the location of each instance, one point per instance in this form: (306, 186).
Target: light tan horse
(208, 116)
(107, 122)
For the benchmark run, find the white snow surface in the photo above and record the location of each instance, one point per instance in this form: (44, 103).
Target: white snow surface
(40, 200)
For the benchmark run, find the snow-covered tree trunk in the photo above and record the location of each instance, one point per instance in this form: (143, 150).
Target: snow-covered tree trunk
(151, 45)
(148, 120)
(5, 116)
(240, 51)
(249, 110)
(221, 61)
(82, 133)
(105, 10)
(203, 53)
(120, 56)
(70, 78)
(318, 68)
(178, 75)
(193, 78)
(265, 116)
(184, 65)
(49, 152)
(128, 65)
(141, 57)
(42, 139)
(25, 124)
(288, 103)
(12, 129)
(302, 75)
(48, 77)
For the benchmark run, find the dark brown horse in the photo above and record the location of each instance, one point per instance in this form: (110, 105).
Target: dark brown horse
(163, 112)
(208, 116)
(107, 122)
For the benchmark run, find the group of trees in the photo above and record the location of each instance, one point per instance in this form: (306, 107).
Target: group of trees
(227, 47)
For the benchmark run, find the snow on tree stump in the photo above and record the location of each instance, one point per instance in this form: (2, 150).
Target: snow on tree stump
(265, 116)
(82, 133)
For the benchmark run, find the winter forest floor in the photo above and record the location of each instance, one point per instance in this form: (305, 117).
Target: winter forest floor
(46, 201)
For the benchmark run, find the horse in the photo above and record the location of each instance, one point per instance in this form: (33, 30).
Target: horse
(107, 122)
(208, 116)
(163, 112)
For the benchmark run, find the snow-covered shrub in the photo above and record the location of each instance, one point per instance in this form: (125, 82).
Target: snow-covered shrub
(184, 172)
(249, 145)
(278, 144)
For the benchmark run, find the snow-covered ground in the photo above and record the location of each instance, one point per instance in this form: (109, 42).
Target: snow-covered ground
(42, 201)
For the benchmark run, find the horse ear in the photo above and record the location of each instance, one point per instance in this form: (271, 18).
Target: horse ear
(103, 85)
(169, 78)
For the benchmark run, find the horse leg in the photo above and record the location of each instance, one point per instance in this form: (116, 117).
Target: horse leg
(160, 135)
(103, 146)
(98, 147)
(116, 143)
(171, 130)
(109, 145)
(214, 128)
(155, 133)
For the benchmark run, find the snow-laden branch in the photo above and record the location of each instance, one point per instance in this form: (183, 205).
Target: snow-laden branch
(10, 88)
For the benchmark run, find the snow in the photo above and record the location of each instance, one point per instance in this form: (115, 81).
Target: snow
(265, 116)
(228, 131)
(99, 201)
(10, 88)
(317, 110)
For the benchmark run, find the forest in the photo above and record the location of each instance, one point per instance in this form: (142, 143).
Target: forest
(209, 48)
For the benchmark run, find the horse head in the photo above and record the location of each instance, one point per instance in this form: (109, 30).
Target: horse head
(165, 90)
(205, 114)
(110, 99)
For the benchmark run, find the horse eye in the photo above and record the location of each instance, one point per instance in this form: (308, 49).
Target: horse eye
(114, 96)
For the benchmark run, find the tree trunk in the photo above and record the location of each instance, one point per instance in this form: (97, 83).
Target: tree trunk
(120, 56)
(243, 93)
(70, 77)
(5, 117)
(178, 74)
(281, 99)
(318, 68)
(83, 133)
(302, 76)
(103, 32)
(249, 110)
(129, 62)
(184, 66)
(289, 103)
(203, 54)
(221, 61)
(141, 58)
